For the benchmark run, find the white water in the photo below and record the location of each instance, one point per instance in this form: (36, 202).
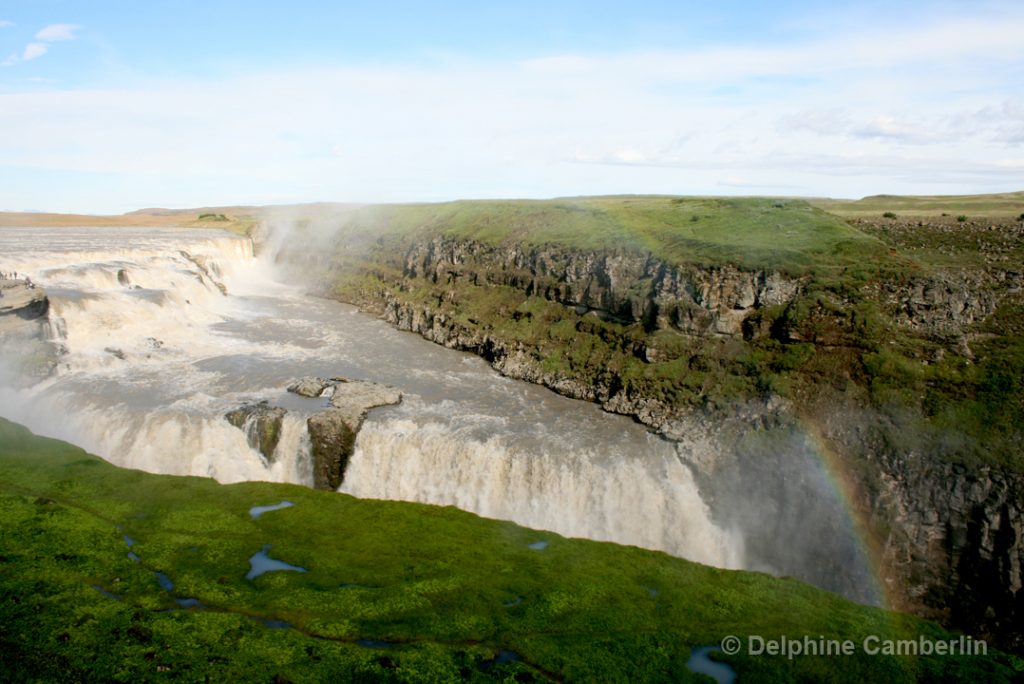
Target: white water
(463, 435)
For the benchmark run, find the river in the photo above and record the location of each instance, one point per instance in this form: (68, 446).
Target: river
(162, 331)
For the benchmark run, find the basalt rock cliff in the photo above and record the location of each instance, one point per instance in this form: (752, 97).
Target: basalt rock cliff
(609, 326)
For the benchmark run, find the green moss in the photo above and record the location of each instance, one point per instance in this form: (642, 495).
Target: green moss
(447, 589)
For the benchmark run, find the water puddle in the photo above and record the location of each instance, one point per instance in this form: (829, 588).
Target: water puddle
(257, 511)
(260, 563)
(189, 602)
(374, 643)
(165, 582)
(275, 624)
(701, 663)
(108, 594)
(539, 545)
(514, 602)
(133, 557)
(502, 658)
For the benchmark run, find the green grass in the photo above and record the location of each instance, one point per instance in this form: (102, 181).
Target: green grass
(1001, 205)
(433, 582)
(762, 233)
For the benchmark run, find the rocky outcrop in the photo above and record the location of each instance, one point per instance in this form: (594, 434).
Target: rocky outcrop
(951, 536)
(20, 300)
(309, 387)
(24, 332)
(621, 286)
(261, 424)
(943, 306)
(206, 267)
(332, 432)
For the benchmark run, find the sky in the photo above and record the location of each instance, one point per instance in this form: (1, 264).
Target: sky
(107, 107)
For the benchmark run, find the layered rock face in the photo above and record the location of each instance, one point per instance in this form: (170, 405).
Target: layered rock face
(949, 538)
(624, 287)
(952, 542)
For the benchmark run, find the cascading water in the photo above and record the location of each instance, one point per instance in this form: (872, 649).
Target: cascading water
(164, 331)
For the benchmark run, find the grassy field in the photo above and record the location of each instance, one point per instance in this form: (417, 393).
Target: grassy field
(1007, 205)
(785, 235)
(392, 592)
(240, 220)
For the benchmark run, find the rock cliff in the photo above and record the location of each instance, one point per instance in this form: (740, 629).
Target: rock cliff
(947, 537)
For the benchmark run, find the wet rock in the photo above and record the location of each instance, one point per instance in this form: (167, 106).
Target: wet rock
(24, 325)
(332, 432)
(261, 424)
(309, 386)
(359, 396)
(19, 299)
(115, 352)
(332, 435)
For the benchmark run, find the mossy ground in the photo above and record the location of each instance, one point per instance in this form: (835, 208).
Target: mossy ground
(446, 590)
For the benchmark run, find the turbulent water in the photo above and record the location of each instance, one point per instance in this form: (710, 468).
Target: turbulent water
(162, 331)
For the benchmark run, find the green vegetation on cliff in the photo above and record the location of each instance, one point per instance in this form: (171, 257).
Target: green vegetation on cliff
(392, 592)
(755, 233)
(915, 316)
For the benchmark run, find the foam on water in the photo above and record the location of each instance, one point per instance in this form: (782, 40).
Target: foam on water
(165, 330)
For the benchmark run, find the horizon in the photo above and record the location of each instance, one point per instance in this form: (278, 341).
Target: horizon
(155, 210)
(112, 108)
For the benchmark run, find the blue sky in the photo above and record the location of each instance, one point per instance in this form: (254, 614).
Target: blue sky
(111, 106)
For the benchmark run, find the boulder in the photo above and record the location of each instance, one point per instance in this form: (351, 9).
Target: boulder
(309, 386)
(360, 396)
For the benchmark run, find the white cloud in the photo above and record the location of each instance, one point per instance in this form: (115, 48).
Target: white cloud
(890, 127)
(57, 32)
(830, 117)
(33, 50)
(6, 24)
(10, 61)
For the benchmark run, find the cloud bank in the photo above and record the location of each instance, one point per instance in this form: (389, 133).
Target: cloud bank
(933, 109)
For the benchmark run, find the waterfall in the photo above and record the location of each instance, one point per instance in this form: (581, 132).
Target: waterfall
(162, 332)
(649, 501)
